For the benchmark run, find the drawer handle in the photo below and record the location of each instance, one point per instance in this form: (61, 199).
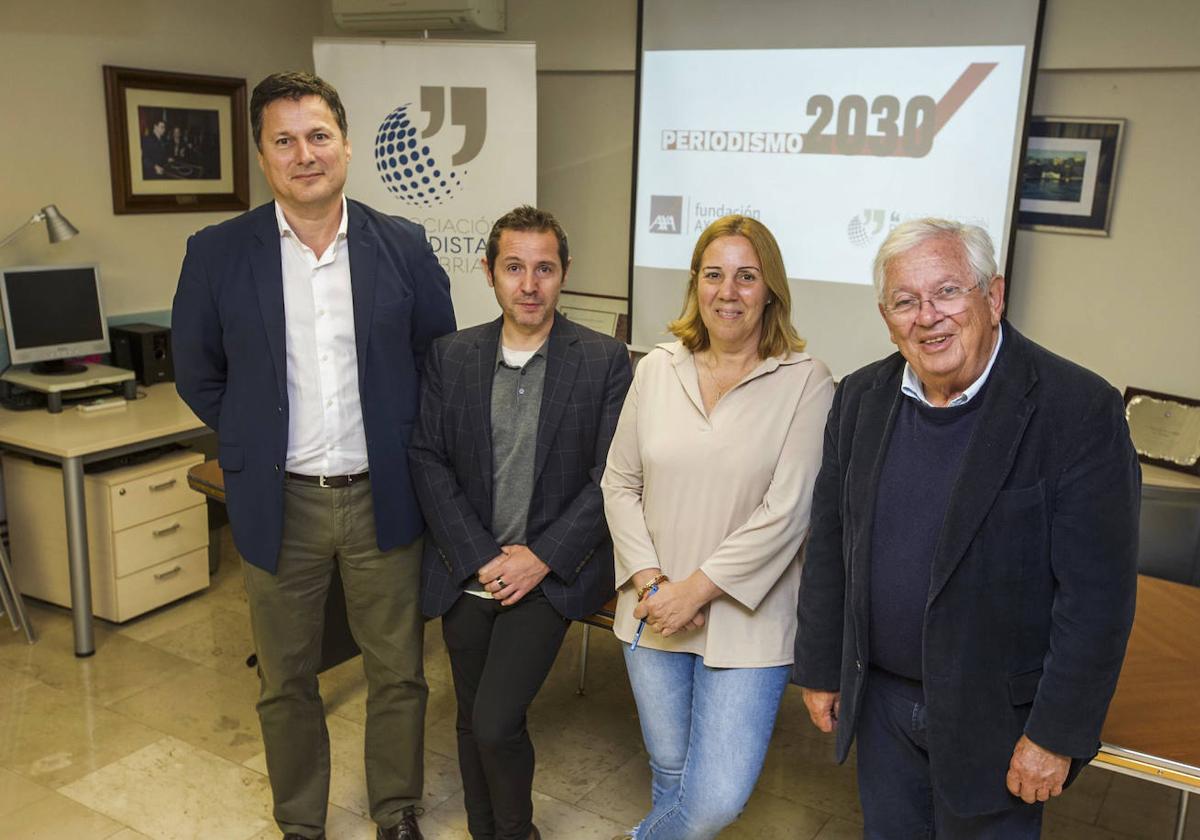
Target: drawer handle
(170, 529)
(166, 485)
(171, 573)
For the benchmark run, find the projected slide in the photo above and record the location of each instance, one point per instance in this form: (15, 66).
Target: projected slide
(831, 123)
(831, 148)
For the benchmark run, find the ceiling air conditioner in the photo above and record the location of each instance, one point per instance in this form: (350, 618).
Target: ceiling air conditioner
(417, 15)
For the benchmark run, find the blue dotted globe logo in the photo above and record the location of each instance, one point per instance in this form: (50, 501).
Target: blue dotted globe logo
(407, 167)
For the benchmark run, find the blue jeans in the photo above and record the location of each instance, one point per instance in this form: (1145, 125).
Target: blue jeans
(707, 731)
(898, 799)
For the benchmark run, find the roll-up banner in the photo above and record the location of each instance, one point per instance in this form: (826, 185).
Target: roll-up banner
(443, 133)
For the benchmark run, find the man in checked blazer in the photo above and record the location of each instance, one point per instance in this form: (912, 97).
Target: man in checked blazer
(515, 423)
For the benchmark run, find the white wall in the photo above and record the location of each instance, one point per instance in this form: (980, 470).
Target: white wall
(54, 146)
(1120, 34)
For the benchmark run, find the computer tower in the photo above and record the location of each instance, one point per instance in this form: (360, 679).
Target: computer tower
(144, 349)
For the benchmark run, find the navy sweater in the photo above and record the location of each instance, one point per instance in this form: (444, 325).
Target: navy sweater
(920, 468)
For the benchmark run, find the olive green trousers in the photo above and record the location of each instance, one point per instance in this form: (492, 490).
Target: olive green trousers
(321, 527)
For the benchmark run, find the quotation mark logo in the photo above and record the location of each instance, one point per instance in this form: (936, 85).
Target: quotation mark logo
(408, 165)
(868, 226)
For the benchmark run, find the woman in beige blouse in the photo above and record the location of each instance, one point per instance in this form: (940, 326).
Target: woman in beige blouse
(707, 493)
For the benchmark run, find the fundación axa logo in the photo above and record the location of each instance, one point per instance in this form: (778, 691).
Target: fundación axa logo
(414, 168)
(666, 214)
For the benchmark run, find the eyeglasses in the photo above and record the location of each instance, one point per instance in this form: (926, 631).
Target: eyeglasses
(948, 300)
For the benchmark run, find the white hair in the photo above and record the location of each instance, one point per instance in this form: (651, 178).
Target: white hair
(976, 245)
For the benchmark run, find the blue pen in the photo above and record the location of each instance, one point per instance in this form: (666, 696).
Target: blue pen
(642, 624)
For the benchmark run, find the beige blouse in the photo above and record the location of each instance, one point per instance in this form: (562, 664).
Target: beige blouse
(729, 493)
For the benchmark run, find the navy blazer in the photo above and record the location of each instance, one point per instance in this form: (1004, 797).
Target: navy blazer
(587, 376)
(228, 336)
(1032, 588)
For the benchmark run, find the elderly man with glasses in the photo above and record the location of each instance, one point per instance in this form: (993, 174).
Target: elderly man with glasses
(970, 576)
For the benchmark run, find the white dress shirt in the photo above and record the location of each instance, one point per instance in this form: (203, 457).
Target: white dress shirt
(325, 429)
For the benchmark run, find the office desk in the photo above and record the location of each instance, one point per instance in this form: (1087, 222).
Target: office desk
(1152, 730)
(73, 439)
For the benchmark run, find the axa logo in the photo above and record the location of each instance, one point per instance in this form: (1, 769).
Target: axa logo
(666, 214)
(421, 170)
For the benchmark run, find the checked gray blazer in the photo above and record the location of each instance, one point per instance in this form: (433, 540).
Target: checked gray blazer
(587, 375)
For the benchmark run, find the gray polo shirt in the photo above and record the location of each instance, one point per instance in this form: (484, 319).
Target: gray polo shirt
(516, 405)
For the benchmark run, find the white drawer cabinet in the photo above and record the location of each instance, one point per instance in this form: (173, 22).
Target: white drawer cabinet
(147, 533)
(162, 583)
(158, 540)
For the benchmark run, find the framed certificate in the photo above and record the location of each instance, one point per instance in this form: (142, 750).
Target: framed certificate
(602, 313)
(1165, 429)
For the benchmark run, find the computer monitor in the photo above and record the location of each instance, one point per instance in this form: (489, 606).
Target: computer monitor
(51, 314)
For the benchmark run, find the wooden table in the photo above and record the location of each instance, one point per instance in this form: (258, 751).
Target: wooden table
(73, 439)
(1152, 730)
(208, 479)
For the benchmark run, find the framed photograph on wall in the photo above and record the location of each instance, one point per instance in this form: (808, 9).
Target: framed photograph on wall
(1068, 175)
(176, 141)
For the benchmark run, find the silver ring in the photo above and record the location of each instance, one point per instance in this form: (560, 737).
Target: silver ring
(500, 582)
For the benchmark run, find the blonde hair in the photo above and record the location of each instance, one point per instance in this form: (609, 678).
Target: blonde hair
(778, 335)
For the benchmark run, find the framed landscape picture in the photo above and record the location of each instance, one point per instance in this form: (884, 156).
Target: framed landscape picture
(176, 141)
(1068, 174)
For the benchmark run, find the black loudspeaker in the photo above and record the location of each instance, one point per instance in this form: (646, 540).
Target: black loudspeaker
(144, 349)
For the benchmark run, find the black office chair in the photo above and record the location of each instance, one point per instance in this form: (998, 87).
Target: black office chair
(337, 644)
(1169, 539)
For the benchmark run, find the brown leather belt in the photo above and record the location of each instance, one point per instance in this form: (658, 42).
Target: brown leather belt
(334, 481)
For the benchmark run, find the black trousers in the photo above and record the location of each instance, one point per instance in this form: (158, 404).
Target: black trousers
(500, 657)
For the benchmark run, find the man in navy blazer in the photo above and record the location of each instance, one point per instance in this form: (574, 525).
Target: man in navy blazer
(300, 330)
(516, 420)
(969, 580)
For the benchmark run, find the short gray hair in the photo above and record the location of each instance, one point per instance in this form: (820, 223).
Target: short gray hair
(976, 244)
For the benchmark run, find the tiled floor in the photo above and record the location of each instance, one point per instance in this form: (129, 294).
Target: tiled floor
(156, 737)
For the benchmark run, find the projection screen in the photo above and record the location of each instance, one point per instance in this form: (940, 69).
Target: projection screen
(831, 123)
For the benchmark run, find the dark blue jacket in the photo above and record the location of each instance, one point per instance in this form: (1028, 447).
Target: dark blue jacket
(587, 376)
(228, 336)
(1032, 589)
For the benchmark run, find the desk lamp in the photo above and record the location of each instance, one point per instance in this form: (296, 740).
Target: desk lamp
(58, 228)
